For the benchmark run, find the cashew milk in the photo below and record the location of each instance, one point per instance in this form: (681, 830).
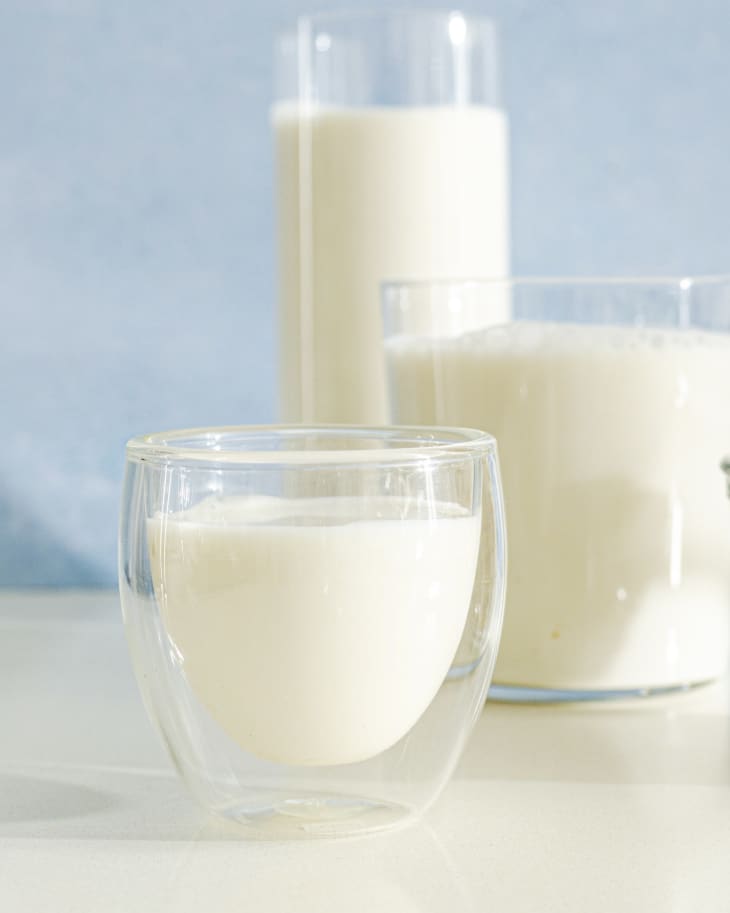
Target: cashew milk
(619, 534)
(312, 635)
(365, 195)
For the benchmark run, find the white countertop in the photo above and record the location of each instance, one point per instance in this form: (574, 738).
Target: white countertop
(603, 807)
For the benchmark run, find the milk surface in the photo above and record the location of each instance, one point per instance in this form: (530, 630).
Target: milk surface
(619, 535)
(366, 195)
(311, 635)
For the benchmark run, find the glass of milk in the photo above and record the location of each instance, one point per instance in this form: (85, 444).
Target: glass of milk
(391, 160)
(313, 613)
(608, 399)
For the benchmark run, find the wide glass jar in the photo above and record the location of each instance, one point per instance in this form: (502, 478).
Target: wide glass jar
(608, 399)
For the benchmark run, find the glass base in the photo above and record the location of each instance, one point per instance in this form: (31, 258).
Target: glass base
(316, 815)
(519, 694)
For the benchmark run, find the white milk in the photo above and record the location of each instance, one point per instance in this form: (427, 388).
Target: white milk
(310, 635)
(366, 195)
(610, 442)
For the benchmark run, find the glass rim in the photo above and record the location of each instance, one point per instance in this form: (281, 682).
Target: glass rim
(423, 13)
(205, 444)
(684, 282)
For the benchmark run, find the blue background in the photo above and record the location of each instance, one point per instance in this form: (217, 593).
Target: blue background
(136, 235)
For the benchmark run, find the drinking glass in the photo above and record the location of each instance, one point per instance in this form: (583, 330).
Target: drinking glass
(608, 399)
(391, 160)
(313, 614)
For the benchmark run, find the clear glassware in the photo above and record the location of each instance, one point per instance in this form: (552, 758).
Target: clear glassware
(391, 160)
(608, 399)
(313, 614)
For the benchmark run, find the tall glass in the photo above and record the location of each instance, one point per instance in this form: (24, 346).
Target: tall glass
(609, 402)
(391, 161)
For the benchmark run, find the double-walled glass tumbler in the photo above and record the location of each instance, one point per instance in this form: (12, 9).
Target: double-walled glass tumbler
(313, 614)
(391, 160)
(609, 403)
